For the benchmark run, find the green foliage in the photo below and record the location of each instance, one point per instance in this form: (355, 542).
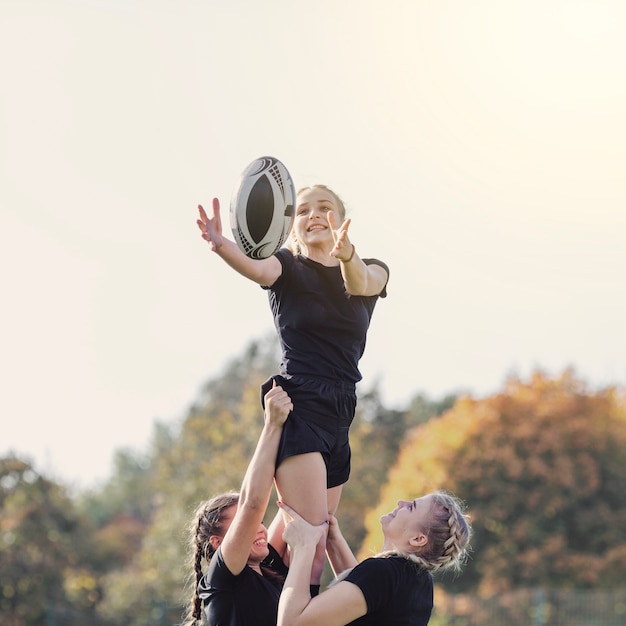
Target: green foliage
(128, 491)
(40, 540)
(207, 456)
(422, 408)
(541, 466)
(375, 439)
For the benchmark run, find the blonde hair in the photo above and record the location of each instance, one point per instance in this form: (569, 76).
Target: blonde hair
(449, 534)
(291, 243)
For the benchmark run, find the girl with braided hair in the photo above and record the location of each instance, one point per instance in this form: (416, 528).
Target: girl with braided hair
(241, 583)
(395, 587)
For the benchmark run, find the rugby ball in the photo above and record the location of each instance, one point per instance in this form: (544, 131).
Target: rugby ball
(262, 207)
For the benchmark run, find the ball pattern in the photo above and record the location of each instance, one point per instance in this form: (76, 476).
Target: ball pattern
(262, 207)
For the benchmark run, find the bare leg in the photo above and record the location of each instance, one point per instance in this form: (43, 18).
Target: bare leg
(301, 483)
(333, 495)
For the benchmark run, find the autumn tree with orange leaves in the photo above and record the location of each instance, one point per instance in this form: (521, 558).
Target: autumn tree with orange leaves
(542, 468)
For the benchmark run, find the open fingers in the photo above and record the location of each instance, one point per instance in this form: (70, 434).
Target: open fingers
(203, 215)
(203, 222)
(216, 212)
(340, 237)
(216, 207)
(345, 225)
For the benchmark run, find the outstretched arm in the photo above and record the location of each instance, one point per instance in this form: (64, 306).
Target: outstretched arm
(360, 279)
(261, 271)
(257, 483)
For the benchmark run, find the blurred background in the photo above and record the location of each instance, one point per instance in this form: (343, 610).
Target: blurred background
(479, 148)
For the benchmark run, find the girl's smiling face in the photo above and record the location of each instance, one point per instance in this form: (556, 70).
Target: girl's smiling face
(311, 227)
(258, 550)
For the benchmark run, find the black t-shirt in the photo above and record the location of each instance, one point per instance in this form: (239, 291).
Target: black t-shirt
(247, 599)
(396, 590)
(322, 329)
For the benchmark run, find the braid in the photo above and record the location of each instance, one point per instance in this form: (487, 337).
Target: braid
(448, 535)
(207, 521)
(197, 602)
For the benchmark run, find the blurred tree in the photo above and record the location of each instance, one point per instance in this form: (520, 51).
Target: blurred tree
(38, 527)
(422, 408)
(119, 512)
(208, 455)
(542, 467)
(127, 492)
(375, 439)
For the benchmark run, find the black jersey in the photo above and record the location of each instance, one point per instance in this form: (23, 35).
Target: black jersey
(247, 599)
(322, 329)
(396, 590)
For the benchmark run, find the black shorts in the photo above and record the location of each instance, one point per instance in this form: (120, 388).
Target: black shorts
(321, 417)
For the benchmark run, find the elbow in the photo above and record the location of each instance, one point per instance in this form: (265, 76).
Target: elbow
(356, 287)
(251, 502)
(357, 290)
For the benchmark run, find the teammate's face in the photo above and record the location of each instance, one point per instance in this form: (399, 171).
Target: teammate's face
(259, 549)
(408, 518)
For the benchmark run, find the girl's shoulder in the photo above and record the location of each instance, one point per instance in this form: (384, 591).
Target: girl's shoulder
(393, 562)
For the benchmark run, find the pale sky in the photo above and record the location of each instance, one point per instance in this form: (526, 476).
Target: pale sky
(480, 147)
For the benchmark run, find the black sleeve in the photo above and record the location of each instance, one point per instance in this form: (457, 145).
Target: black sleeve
(378, 581)
(273, 562)
(383, 293)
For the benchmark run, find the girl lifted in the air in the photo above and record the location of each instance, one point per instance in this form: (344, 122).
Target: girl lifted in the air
(322, 295)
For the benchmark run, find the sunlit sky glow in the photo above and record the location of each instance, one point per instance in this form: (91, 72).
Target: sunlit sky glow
(480, 147)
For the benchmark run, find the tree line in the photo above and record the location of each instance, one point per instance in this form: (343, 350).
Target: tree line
(540, 464)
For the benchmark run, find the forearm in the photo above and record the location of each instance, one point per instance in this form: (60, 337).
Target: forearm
(296, 594)
(258, 480)
(339, 554)
(354, 274)
(361, 279)
(230, 253)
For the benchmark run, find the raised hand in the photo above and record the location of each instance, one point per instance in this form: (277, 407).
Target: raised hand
(278, 405)
(211, 227)
(343, 248)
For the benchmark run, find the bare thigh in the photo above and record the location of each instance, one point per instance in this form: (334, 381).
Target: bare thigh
(301, 483)
(333, 495)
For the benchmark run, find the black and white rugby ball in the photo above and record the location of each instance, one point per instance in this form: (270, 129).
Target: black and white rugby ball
(262, 207)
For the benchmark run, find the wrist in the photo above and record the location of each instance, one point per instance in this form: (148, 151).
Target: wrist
(273, 427)
(305, 551)
(351, 255)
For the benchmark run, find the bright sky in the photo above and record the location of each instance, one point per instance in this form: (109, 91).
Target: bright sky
(480, 147)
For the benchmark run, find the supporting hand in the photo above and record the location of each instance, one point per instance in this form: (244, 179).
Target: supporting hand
(298, 532)
(278, 405)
